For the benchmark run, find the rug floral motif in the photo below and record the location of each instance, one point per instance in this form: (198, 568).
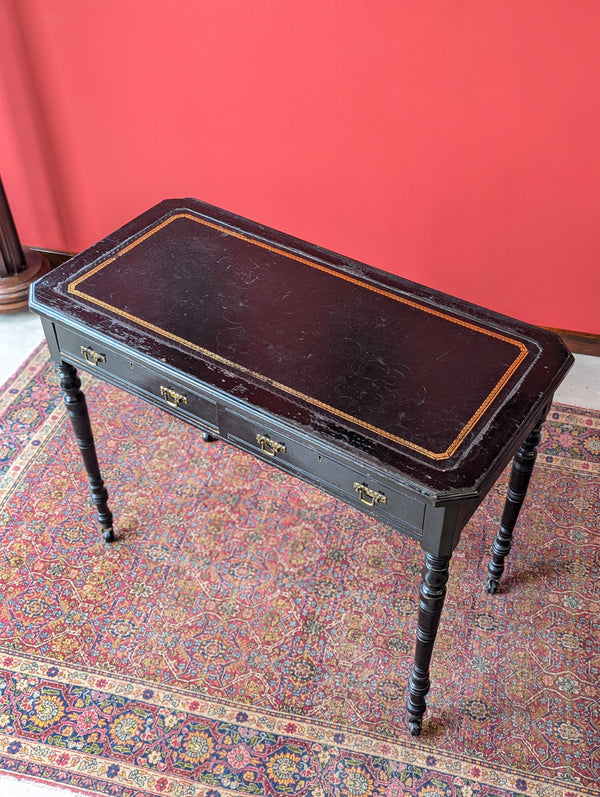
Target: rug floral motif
(248, 635)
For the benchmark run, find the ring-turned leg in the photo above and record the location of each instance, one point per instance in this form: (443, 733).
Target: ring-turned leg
(432, 593)
(80, 420)
(517, 490)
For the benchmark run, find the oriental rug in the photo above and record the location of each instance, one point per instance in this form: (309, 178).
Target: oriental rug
(248, 635)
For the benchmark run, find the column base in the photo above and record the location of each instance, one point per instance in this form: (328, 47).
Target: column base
(14, 290)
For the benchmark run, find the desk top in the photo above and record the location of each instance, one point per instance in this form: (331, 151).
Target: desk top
(426, 384)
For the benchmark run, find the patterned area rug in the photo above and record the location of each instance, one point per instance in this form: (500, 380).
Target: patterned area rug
(247, 635)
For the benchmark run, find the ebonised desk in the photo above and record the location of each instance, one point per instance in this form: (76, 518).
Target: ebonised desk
(402, 401)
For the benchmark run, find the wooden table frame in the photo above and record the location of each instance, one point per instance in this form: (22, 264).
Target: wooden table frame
(285, 374)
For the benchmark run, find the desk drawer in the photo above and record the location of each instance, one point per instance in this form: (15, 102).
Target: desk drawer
(162, 388)
(354, 485)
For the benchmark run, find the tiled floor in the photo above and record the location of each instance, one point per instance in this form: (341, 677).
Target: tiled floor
(21, 332)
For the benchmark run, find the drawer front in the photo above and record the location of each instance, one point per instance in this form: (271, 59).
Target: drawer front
(356, 486)
(161, 388)
(273, 442)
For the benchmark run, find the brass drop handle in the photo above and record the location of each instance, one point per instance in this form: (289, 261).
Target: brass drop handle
(171, 396)
(368, 496)
(92, 357)
(269, 446)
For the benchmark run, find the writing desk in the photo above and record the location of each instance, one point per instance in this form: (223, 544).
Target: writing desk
(402, 401)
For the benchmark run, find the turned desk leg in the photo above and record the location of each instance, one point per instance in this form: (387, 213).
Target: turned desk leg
(432, 593)
(80, 420)
(517, 490)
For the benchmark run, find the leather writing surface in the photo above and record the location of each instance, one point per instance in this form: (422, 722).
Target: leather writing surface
(363, 353)
(433, 389)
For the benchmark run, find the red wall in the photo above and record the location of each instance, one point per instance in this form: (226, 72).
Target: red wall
(456, 143)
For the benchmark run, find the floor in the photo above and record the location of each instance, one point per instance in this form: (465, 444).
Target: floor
(21, 332)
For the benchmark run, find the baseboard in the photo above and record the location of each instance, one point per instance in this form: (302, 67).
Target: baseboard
(576, 342)
(580, 342)
(54, 257)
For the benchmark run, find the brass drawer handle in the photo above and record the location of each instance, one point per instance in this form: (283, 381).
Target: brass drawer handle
(368, 496)
(269, 446)
(92, 357)
(171, 396)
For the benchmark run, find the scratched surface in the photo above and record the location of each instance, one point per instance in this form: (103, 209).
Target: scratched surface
(423, 383)
(361, 352)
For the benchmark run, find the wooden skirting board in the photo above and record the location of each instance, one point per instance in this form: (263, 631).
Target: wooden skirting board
(580, 342)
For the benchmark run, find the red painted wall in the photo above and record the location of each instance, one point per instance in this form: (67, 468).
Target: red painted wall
(456, 143)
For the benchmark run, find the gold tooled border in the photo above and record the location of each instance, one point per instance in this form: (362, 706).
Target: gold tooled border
(73, 288)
